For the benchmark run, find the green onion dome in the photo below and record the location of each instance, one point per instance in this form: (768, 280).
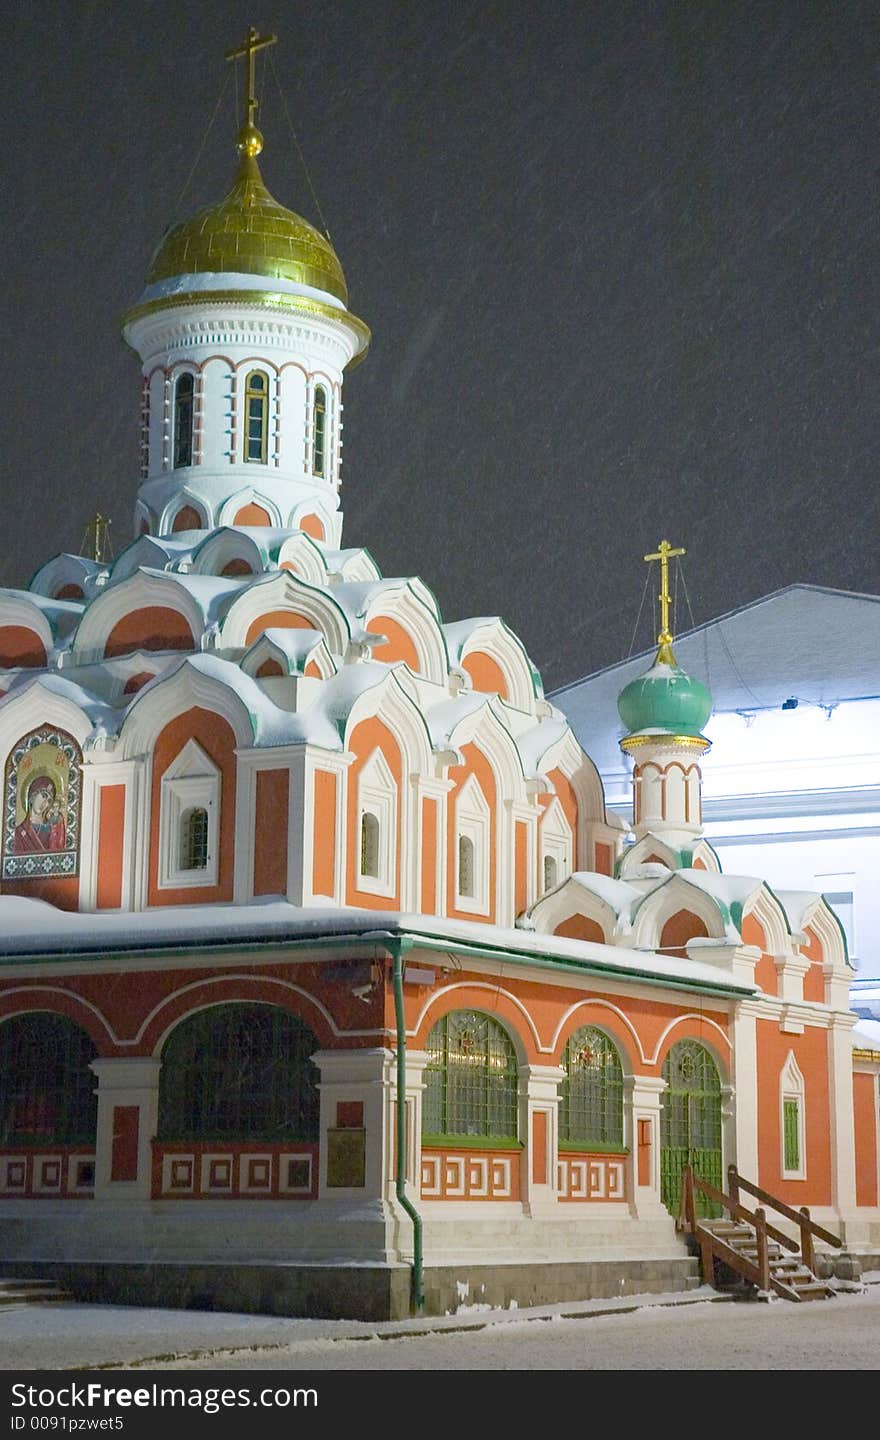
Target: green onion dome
(665, 700)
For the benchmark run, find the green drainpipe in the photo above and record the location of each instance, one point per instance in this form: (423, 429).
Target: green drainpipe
(398, 948)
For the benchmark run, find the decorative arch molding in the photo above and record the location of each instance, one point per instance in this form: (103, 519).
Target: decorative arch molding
(169, 1012)
(764, 907)
(283, 593)
(413, 608)
(566, 755)
(704, 856)
(622, 1031)
(821, 919)
(508, 1013)
(505, 649)
(224, 546)
(119, 602)
(388, 702)
(651, 849)
(378, 803)
(695, 1027)
(668, 899)
(177, 516)
(37, 703)
(485, 729)
(64, 570)
(240, 500)
(146, 552)
(267, 648)
(182, 689)
(556, 846)
(17, 613)
(73, 1007)
(300, 554)
(569, 900)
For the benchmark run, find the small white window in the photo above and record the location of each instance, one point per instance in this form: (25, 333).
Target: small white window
(377, 826)
(189, 820)
(555, 845)
(792, 1127)
(473, 828)
(551, 866)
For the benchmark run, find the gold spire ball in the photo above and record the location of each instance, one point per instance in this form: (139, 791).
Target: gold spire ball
(248, 232)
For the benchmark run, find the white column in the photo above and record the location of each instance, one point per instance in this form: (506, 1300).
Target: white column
(841, 1118)
(643, 1094)
(126, 1085)
(745, 1069)
(539, 1115)
(355, 1087)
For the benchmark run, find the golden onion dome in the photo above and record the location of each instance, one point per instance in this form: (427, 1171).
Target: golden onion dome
(249, 233)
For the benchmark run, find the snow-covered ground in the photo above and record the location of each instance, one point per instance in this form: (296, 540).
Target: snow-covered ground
(668, 1332)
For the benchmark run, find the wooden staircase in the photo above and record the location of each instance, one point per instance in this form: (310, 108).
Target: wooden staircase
(742, 1241)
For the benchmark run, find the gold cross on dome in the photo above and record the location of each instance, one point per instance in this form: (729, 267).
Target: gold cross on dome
(664, 554)
(252, 44)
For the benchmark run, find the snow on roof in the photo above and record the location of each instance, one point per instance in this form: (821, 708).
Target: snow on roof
(212, 593)
(619, 894)
(796, 903)
(733, 891)
(271, 725)
(297, 644)
(32, 927)
(63, 615)
(536, 741)
(866, 1035)
(105, 717)
(458, 632)
(443, 718)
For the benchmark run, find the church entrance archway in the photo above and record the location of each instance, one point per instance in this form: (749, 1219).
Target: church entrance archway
(690, 1123)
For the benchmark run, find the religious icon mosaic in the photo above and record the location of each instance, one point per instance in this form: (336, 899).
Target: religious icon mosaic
(41, 806)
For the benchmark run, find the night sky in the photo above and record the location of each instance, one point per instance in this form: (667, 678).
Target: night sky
(620, 261)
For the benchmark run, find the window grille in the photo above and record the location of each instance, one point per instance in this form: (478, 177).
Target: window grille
(690, 1122)
(47, 1096)
(550, 872)
(791, 1134)
(369, 845)
(466, 869)
(591, 1105)
(194, 839)
(319, 431)
(471, 1079)
(256, 417)
(239, 1072)
(183, 421)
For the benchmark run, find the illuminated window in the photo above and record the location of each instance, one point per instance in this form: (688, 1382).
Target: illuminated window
(194, 839)
(591, 1104)
(256, 417)
(470, 1079)
(183, 421)
(319, 431)
(369, 845)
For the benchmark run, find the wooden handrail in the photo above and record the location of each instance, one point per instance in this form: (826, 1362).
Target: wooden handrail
(737, 1211)
(801, 1217)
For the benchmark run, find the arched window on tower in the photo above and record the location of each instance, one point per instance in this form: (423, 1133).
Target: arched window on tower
(183, 420)
(319, 431)
(194, 839)
(256, 417)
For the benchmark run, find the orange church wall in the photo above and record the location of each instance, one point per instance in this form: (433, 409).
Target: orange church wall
(70, 592)
(580, 927)
(312, 671)
(521, 866)
(679, 928)
(270, 832)
(311, 525)
(811, 1053)
(156, 627)
(475, 764)
(269, 668)
(400, 644)
(217, 739)
(111, 820)
(236, 567)
(20, 646)
(568, 800)
(366, 737)
(486, 673)
(604, 864)
(252, 515)
(188, 519)
(865, 1118)
(59, 890)
(137, 682)
(428, 857)
(324, 841)
(814, 980)
(278, 619)
(765, 971)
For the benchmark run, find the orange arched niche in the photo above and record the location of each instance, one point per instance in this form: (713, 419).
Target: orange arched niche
(486, 674)
(252, 514)
(369, 735)
(217, 738)
(278, 620)
(681, 927)
(188, 519)
(155, 627)
(311, 525)
(581, 927)
(400, 645)
(476, 764)
(20, 646)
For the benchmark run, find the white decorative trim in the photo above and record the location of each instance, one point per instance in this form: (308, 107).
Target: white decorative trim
(377, 797)
(791, 1088)
(192, 781)
(473, 822)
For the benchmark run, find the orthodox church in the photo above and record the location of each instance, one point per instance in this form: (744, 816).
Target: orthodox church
(327, 984)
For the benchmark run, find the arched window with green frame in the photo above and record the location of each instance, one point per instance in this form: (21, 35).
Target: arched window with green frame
(591, 1103)
(470, 1081)
(256, 417)
(239, 1071)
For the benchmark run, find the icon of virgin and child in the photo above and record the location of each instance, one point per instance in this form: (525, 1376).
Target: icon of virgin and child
(43, 828)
